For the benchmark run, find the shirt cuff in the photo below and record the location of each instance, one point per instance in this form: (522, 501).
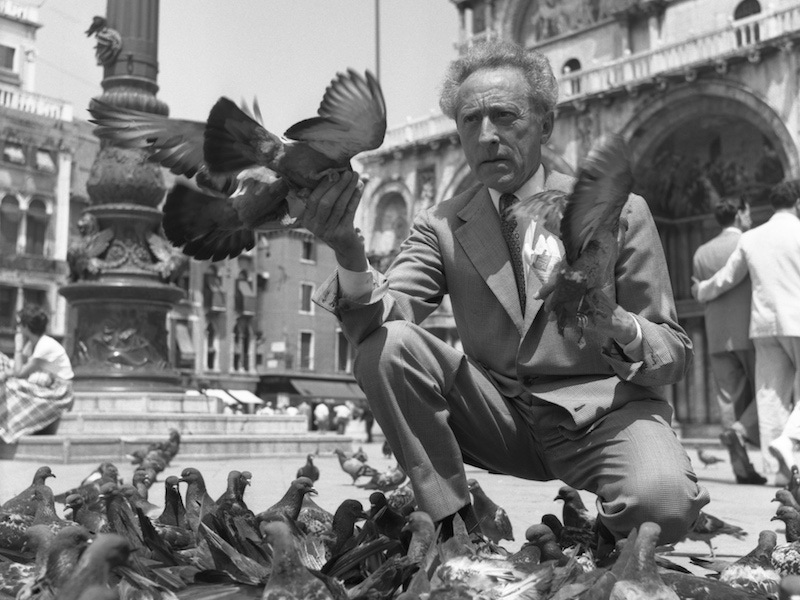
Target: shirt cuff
(355, 285)
(633, 349)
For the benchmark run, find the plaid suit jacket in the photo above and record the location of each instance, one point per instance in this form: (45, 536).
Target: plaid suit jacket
(457, 248)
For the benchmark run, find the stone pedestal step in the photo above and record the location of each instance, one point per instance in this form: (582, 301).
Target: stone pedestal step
(61, 449)
(143, 402)
(137, 423)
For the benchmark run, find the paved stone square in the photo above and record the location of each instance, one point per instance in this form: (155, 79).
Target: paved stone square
(747, 506)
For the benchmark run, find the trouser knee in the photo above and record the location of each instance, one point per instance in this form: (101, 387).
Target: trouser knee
(674, 508)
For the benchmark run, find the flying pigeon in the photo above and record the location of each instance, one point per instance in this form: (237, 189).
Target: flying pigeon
(590, 229)
(251, 177)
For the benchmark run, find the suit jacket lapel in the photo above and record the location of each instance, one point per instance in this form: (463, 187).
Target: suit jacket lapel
(482, 240)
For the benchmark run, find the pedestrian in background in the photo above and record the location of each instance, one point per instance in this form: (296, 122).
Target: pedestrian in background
(731, 353)
(36, 387)
(770, 254)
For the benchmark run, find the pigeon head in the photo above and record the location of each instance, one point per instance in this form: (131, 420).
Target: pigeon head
(74, 501)
(378, 499)
(191, 475)
(352, 508)
(304, 485)
(42, 473)
(539, 533)
(473, 484)
(785, 514)
(171, 482)
(109, 489)
(245, 478)
(568, 494)
(418, 521)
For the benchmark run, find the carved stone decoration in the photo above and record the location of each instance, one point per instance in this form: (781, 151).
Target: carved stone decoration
(123, 175)
(690, 75)
(754, 56)
(83, 254)
(721, 66)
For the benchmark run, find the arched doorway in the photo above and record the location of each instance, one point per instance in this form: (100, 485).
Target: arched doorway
(390, 228)
(690, 148)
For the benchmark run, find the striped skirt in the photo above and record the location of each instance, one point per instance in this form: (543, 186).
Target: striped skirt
(29, 405)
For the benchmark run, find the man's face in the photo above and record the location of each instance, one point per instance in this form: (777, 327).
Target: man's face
(500, 131)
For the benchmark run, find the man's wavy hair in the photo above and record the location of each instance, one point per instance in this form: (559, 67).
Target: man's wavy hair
(726, 209)
(34, 317)
(496, 54)
(785, 194)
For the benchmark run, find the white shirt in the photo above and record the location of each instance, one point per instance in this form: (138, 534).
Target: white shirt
(354, 285)
(54, 357)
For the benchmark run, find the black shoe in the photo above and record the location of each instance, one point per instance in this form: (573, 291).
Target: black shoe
(743, 469)
(752, 479)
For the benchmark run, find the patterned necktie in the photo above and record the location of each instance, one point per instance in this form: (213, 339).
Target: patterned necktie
(508, 224)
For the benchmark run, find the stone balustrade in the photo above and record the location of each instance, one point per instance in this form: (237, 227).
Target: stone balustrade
(36, 104)
(717, 45)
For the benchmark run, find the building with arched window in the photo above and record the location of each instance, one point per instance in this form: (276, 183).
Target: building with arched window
(706, 93)
(44, 160)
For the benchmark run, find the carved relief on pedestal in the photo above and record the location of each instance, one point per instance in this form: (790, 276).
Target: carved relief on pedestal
(121, 339)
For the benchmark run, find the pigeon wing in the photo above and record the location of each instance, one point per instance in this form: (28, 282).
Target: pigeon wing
(601, 190)
(351, 118)
(98, 243)
(175, 143)
(161, 248)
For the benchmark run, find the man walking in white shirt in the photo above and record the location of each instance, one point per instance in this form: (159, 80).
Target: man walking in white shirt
(731, 354)
(770, 254)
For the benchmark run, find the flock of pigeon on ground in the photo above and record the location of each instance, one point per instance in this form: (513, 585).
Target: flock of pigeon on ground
(119, 545)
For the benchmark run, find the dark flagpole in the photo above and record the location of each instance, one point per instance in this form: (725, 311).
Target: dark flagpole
(378, 40)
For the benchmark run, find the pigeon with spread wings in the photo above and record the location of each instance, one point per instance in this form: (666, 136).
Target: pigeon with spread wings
(250, 177)
(591, 228)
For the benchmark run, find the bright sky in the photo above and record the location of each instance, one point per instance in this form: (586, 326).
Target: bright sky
(285, 52)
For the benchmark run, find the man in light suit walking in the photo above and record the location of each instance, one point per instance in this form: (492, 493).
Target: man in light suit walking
(731, 353)
(770, 254)
(519, 398)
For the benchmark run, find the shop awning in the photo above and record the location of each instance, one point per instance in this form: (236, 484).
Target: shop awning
(222, 395)
(245, 396)
(314, 388)
(184, 340)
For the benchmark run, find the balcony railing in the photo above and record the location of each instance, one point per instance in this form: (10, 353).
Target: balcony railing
(418, 129)
(19, 10)
(735, 39)
(35, 104)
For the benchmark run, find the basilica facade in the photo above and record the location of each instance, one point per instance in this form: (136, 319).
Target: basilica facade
(704, 91)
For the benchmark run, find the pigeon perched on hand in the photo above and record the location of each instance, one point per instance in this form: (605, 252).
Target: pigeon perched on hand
(590, 229)
(251, 177)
